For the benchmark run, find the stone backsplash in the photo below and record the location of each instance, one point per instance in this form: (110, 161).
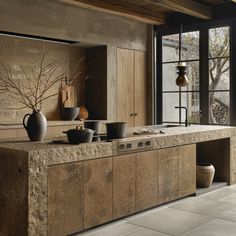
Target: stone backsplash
(17, 53)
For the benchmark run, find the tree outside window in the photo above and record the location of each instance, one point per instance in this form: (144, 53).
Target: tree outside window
(219, 75)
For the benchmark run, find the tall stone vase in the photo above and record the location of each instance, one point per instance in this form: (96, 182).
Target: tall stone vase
(36, 125)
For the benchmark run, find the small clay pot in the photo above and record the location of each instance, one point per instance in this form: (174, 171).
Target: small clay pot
(205, 174)
(83, 113)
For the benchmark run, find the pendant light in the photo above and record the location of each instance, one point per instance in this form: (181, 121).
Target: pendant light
(181, 68)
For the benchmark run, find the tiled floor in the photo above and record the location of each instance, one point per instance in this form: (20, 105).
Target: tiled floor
(211, 214)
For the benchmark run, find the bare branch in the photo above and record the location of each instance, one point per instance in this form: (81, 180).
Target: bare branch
(38, 82)
(226, 69)
(212, 70)
(225, 60)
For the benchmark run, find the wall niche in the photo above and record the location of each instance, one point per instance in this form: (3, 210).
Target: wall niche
(19, 52)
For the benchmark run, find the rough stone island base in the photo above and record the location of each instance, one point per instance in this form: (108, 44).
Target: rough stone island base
(43, 184)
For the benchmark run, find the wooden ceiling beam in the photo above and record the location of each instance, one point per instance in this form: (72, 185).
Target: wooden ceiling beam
(188, 7)
(132, 12)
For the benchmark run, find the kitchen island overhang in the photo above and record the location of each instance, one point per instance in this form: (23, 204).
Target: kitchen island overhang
(33, 160)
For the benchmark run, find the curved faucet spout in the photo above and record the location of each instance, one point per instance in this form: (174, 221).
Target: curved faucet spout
(186, 114)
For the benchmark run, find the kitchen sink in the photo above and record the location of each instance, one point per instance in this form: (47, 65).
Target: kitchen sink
(174, 125)
(167, 126)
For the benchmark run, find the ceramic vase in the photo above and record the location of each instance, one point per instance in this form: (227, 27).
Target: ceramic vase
(36, 125)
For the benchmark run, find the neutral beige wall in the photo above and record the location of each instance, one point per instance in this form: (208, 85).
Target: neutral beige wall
(18, 55)
(58, 20)
(51, 18)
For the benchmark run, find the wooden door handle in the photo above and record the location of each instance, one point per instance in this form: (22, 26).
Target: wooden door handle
(135, 114)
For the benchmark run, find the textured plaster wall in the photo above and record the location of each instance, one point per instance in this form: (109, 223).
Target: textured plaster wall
(18, 55)
(53, 19)
(58, 20)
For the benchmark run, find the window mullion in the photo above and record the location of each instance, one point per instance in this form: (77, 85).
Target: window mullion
(159, 78)
(204, 75)
(232, 74)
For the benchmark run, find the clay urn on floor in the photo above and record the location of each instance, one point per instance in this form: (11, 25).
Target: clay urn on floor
(205, 174)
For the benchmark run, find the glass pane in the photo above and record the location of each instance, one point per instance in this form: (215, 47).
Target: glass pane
(219, 42)
(170, 48)
(190, 45)
(170, 114)
(169, 76)
(193, 76)
(189, 100)
(192, 102)
(219, 112)
(219, 74)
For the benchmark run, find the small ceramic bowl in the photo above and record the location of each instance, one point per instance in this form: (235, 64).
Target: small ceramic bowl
(70, 113)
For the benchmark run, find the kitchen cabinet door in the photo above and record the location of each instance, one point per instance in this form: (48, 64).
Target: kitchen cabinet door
(121, 83)
(131, 87)
(124, 185)
(65, 199)
(97, 192)
(140, 89)
(13, 193)
(146, 180)
(187, 170)
(125, 86)
(167, 174)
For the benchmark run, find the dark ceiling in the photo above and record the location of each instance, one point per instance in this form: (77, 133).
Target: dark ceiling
(153, 11)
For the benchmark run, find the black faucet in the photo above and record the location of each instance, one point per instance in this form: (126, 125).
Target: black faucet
(186, 114)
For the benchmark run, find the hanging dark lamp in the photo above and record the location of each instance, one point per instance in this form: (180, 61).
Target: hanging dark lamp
(182, 79)
(181, 68)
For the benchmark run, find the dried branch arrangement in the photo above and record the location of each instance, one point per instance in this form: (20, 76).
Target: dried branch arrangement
(38, 82)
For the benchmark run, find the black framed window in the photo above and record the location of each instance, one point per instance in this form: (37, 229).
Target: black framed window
(170, 91)
(207, 50)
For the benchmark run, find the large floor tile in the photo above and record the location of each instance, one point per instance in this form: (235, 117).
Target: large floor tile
(230, 198)
(148, 212)
(115, 229)
(145, 232)
(208, 207)
(231, 187)
(214, 228)
(205, 215)
(171, 221)
(229, 214)
(217, 194)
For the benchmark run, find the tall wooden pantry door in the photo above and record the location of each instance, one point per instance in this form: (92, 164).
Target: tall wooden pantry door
(131, 87)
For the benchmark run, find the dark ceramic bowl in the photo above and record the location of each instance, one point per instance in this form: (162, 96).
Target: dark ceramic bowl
(116, 130)
(70, 113)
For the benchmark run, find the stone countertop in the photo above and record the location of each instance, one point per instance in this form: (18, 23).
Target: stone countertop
(172, 136)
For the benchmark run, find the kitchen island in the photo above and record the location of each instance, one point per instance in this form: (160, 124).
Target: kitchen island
(59, 189)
